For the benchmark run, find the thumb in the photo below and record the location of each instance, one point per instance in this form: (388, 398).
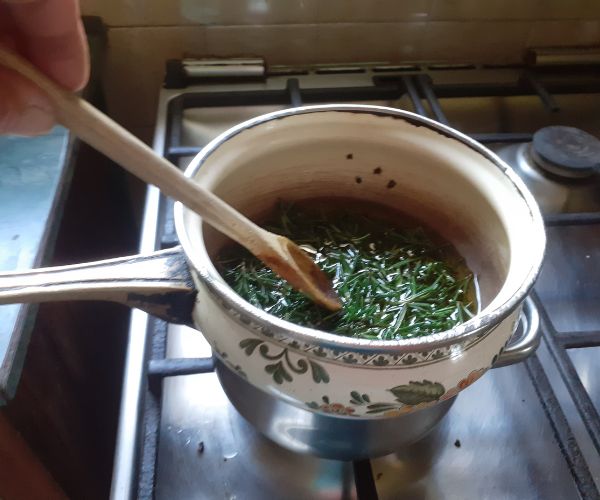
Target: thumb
(24, 109)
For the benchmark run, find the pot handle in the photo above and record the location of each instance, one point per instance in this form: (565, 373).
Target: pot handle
(159, 283)
(522, 345)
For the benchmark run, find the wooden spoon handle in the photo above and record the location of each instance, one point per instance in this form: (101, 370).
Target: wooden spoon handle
(108, 137)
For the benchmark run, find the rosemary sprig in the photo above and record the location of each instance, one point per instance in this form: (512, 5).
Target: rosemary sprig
(394, 282)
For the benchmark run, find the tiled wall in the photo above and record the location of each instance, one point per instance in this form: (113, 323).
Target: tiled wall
(144, 33)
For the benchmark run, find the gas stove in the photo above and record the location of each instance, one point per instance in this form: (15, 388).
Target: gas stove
(530, 430)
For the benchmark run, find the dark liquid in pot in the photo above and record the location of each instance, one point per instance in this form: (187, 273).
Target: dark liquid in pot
(396, 278)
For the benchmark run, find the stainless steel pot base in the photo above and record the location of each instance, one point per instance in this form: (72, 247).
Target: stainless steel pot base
(327, 436)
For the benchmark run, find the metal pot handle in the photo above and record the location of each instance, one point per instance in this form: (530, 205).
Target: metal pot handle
(523, 344)
(159, 283)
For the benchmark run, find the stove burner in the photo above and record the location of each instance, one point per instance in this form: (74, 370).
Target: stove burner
(566, 151)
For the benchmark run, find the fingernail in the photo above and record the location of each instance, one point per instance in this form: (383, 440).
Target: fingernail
(33, 120)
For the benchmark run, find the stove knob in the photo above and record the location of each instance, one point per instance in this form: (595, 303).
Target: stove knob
(566, 152)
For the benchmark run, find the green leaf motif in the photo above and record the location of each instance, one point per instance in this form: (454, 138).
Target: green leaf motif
(319, 374)
(244, 319)
(380, 407)
(358, 399)
(385, 406)
(281, 366)
(266, 332)
(249, 345)
(381, 410)
(279, 373)
(380, 361)
(414, 392)
(320, 352)
(409, 360)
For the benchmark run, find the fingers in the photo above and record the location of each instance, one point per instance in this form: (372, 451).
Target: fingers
(53, 38)
(50, 34)
(24, 109)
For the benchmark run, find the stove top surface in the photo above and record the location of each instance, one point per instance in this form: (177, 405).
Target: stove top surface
(521, 432)
(496, 442)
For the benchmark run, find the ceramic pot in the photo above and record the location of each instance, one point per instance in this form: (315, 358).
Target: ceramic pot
(396, 158)
(332, 434)
(450, 182)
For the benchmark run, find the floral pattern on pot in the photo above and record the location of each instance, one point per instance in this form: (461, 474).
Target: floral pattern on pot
(288, 370)
(332, 408)
(408, 398)
(282, 366)
(399, 360)
(464, 383)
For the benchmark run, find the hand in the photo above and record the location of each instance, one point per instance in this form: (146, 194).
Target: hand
(50, 34)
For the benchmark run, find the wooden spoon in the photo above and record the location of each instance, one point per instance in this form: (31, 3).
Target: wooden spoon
(92, 126)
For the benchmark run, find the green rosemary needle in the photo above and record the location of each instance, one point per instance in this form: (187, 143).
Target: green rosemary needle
(395, 282)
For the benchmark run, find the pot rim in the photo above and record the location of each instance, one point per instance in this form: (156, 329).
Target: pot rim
(463, 332)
